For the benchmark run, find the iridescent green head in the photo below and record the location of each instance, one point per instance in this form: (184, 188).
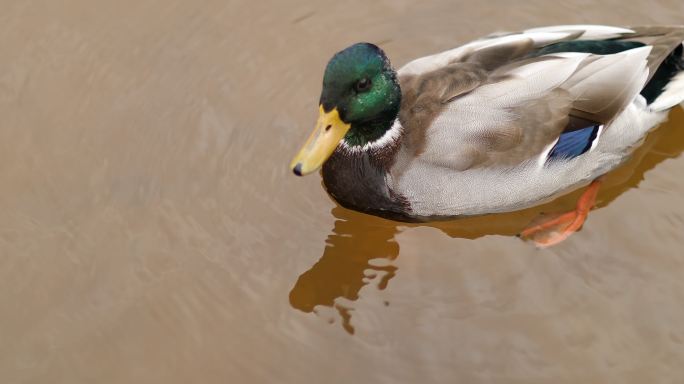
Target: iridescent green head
(360, 82)
(359, 102)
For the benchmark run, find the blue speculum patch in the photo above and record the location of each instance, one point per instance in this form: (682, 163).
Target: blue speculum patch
(574, 143)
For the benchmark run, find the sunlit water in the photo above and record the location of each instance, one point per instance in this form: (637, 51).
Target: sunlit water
(152, 233)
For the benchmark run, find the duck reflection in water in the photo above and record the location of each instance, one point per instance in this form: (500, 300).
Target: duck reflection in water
(345, 265)
(357, 241)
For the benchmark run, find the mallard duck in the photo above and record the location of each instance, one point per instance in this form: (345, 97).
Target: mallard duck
(500, 124)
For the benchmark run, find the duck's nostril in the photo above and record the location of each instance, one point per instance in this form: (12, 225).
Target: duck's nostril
(298, 169)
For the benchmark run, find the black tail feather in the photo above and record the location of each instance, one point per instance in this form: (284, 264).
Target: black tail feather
(671, 66)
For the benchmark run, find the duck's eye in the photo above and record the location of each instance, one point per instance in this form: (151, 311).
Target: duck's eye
(362, 85)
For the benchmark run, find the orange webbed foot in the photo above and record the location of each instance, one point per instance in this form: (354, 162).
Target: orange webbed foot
(550, 230)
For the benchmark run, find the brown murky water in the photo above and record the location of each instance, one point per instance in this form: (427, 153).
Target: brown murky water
(152, 233)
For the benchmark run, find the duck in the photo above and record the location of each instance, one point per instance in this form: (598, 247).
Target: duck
(503, 123)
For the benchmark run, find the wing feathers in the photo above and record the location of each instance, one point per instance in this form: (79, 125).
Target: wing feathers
(605, 86)
(587, 32)
(663, 40)
(493, 103)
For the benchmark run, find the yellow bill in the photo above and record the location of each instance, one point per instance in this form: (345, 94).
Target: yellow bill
(329, 131)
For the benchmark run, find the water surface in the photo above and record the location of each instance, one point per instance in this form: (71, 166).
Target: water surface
(152, 233)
